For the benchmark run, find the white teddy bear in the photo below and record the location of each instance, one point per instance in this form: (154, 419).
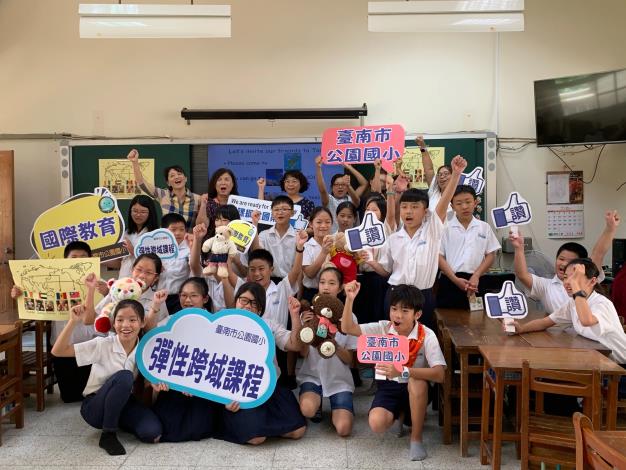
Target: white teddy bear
(221, 247)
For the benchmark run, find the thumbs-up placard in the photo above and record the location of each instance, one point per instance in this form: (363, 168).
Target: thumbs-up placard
(508, 303)
(516, 211)
(299, 222)
(475, 179)
(370, 233)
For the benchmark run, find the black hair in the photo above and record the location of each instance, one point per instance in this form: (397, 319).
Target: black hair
(228, 212)
(262, 254)
(347, 205)
(591, 270)
(76, 246)
(178, 168)
(282, 199)
(415, 195)
(581, 251)
(151, 222)
(464, 189)
(317, 210)
(257, 292)
(172, 218)
(213, 182)
(381, 203)
(447, 167)
(158, 264)
(136, 306)
(201, 284)
(407, 296)
(335, 177)
(297, 174)
(334, 270)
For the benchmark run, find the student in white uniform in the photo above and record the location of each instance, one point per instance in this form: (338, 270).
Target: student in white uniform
(316, 250)
(411, 255)
(468, 249)
(437, 182)
(109, 403)
(550, 292)
(280, 239)
(177, 270)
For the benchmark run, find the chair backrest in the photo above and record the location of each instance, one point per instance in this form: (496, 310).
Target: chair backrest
(12, 338)
(576, 384)
(591, 451)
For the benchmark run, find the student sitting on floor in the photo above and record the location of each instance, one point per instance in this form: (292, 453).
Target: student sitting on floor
(468, 249)
(402, 393)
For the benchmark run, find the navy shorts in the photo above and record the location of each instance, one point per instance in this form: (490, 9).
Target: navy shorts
(338, 401)
(393, 397)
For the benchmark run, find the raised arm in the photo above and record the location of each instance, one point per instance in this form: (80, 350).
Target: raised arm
(203, 217)
(152, 316)
(519, 260)
(347, 322)
(62, 346)
(458, 165)
(376, 180)
(294, 344)
(133, 156)
(312, 269)
(392, 198)
(578, 281)
(294, 274)
(355, 194)
(88, 314)
(261, 185)
(427, 162)
(195, 254)
(319, 179)
(603, 244)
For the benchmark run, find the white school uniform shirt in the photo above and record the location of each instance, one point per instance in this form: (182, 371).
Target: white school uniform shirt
(551, 291)
(276, 300)
(107, 356)
(176, 271)
(429, 355)
(145, 300)
(434, 194)
(126, 268)
(464, 249)
(281, 248)
(333, 203)
(281, 338)
(312, 249)
(216, 292)
(80, 334)
(414, 261)
(332, 374)
(608, 331)
(374, 252)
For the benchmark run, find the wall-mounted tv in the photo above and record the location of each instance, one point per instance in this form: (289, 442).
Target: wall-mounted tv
(581, 110)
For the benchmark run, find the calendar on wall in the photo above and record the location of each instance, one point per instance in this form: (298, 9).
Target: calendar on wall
(565, 221)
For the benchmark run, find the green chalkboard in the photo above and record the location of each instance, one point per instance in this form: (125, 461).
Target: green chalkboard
(85, 165)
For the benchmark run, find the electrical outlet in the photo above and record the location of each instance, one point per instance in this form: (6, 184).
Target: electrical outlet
(507, 246)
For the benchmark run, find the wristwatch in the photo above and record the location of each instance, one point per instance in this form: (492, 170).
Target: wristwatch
(405, 373)
(423, 149)
(580, 293)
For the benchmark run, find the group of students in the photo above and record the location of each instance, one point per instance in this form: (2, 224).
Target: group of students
(427, 233)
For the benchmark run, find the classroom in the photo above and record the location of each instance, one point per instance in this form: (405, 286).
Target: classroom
(71, 104)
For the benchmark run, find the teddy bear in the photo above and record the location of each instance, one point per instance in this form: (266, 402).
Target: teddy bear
(220, 248)
(344, 260)
(121, 289)
(319, 331)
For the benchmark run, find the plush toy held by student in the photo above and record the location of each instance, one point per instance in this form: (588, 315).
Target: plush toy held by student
(220, 248)
(320, 330)
(344, 260)
(124, 288)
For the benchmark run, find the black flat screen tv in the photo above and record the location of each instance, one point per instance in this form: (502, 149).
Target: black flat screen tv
(582, 109)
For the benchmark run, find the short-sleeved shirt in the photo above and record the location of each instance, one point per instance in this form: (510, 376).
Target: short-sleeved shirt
(414, 260)
(107, 356)
(175, 271)
(312, 249)
(331, 373)
(608, 331)
(145, 300)
(333, 203)
(276, 300)
(434, 195)
(464, 249)
(188, 207)
(126, 268)
(429, 355)
(550, 292)
(282, 249)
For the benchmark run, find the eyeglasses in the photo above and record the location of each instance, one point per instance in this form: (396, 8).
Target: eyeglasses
(245, 301)
(443, 173)
(139, 212)
(139, 272)
(189, 296)
(344, 185)
(281, 209)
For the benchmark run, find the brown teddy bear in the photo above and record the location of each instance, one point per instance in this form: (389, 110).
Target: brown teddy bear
(320, 330)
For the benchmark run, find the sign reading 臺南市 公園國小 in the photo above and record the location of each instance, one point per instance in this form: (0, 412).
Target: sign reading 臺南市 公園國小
(93, 218)
(376, 349)
(224, 357)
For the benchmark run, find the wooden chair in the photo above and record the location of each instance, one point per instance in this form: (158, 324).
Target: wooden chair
(591, 452)
(37, 365)
(11, 399)
(547, 438)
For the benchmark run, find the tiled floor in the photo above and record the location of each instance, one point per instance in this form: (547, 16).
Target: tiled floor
(58, 437)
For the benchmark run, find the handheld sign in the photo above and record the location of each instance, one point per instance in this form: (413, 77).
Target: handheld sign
(223, 357)
(247, 205)
(474, 179)
(376, 349)
(516, 211)
(243, 233)
(370, 233)
(507, 304)
(161, 242)
(93, 218)
(365, 144)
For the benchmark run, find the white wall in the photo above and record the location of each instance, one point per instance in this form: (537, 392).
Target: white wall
(297, 53)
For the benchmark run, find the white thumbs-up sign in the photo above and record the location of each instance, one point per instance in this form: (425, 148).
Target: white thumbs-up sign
(299, 222)
(516, 211)
(475, 179)
(508, 303)
(370, 233)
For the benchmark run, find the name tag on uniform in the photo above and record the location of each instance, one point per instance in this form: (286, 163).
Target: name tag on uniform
(480, 235)
(421, 242)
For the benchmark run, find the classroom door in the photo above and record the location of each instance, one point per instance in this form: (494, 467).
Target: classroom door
(7, 236)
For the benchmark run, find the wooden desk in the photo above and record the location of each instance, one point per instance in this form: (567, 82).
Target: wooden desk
(616, 440)
(503, 359)
(557, 337)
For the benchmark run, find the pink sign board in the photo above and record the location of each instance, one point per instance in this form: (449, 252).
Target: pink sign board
(355, 145)
(376, 349)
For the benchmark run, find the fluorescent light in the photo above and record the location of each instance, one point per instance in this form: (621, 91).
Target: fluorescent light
(154, 21)
(446, 16)
(576, 98)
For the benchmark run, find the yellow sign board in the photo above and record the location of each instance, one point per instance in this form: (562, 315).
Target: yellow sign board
(413, 167)
(117, 176)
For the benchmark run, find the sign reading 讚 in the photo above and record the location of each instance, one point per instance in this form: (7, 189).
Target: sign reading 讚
(224, 357)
